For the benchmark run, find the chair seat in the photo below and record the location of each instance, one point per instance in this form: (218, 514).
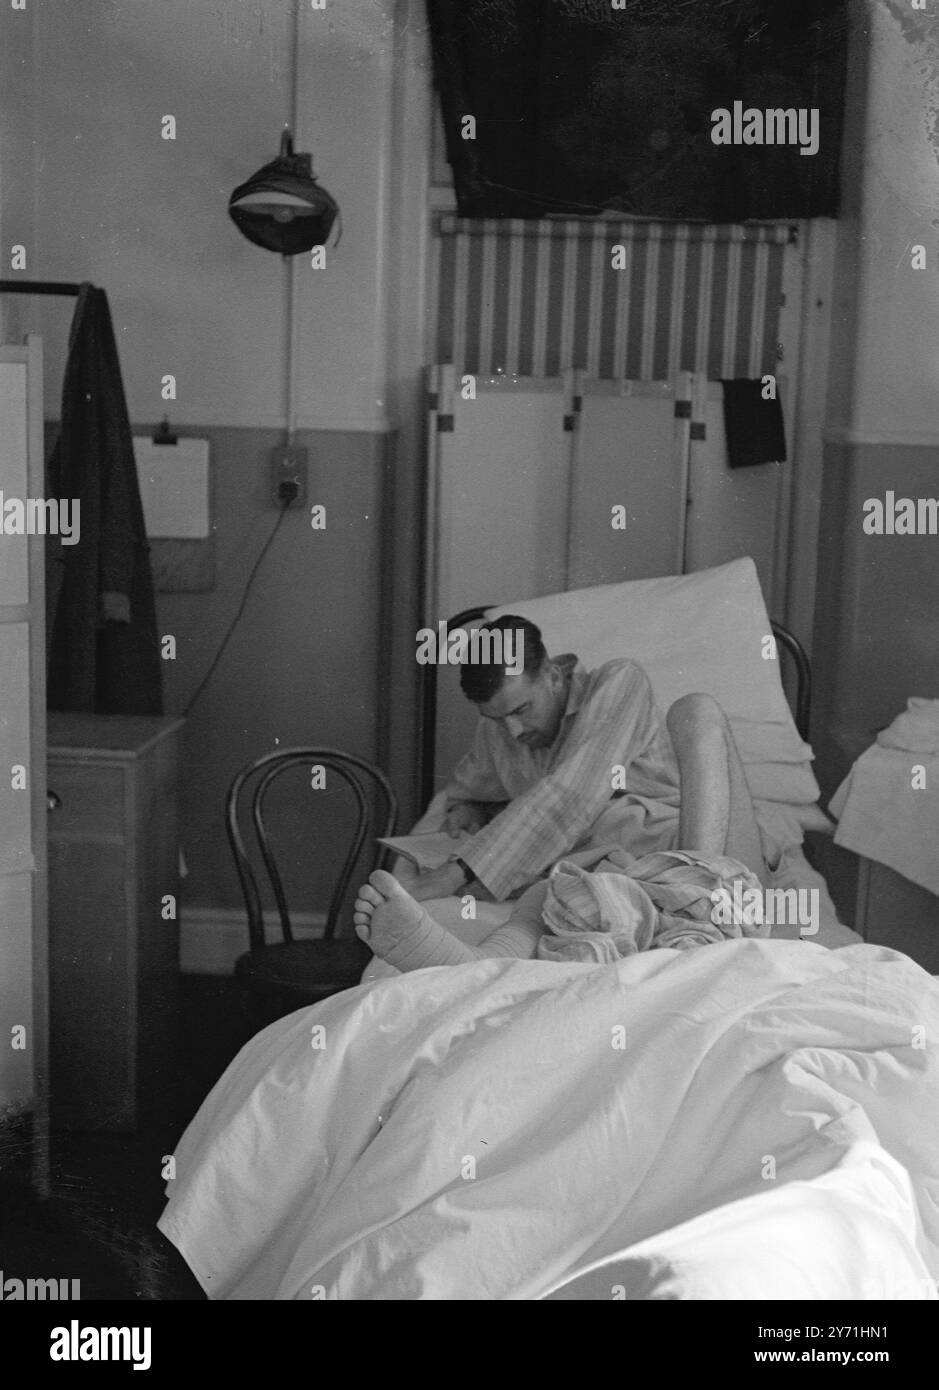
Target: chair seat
(307, 969)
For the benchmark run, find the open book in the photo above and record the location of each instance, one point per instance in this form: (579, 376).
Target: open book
(429, 851)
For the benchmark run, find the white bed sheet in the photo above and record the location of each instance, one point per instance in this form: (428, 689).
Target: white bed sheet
(858, 1221)
(477, 1132)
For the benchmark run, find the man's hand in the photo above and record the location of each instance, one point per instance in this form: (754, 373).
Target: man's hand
(464, 815)
(438, 883)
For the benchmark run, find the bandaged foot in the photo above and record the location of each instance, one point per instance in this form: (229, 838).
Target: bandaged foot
(400, 930)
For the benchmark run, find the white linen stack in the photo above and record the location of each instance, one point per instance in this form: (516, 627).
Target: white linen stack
(888, 805)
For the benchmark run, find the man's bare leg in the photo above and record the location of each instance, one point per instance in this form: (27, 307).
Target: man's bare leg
(717, 815)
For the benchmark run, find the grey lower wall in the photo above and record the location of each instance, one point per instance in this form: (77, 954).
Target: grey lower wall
(876, 637)
(308, 661)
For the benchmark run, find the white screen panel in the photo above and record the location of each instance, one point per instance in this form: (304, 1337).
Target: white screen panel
(15, 804)
(502, 477)
(14, 550)
(626, 454)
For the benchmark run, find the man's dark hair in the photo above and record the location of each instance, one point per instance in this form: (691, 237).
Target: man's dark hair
(480, 681)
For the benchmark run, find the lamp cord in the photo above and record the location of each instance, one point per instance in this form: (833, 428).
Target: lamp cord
(291, 349)
(241, 608)
(291, 288)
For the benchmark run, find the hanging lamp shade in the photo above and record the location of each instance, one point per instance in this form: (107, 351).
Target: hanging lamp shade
(282, 207)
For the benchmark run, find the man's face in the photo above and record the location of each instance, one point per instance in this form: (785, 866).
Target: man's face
(530, 708)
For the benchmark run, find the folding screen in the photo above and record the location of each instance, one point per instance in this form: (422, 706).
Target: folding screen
(523, 476)
(542, 485)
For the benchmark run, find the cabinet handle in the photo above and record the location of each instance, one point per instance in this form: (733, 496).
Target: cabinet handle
(53, 800)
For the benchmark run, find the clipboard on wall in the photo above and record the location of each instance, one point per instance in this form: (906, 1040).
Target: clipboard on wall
(177, 493)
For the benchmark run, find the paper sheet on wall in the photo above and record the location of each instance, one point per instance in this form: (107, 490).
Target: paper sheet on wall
(174, 487)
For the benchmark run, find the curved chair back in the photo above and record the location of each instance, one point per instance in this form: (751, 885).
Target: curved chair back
(360, 776)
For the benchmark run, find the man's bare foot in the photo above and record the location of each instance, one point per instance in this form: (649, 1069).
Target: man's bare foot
(385, 914)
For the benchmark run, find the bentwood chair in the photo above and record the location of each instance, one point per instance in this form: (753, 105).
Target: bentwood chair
(278, 977)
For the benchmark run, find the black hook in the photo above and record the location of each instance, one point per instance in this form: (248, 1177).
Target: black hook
(164, 435)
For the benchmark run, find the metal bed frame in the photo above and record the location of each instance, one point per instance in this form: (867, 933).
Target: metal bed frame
(428, 734)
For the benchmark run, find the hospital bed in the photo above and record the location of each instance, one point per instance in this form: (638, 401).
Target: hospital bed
(707, 631)
(734, 1122)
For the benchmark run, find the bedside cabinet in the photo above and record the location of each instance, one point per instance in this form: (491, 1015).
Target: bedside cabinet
(113, 955)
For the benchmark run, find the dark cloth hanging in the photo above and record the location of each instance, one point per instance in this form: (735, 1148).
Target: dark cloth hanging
(104, 654)
(580, 107)
(756, 431)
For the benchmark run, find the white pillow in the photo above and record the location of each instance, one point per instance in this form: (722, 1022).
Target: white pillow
(793, 784)
(766, 742)
(705, 632)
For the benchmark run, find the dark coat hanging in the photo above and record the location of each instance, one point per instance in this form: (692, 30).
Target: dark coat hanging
(104, 653)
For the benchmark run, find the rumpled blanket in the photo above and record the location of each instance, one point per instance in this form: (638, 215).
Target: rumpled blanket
(916, 730)
(488, 1132)
(624, 905)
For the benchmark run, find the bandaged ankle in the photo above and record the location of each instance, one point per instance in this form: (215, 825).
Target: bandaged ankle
(429, 944)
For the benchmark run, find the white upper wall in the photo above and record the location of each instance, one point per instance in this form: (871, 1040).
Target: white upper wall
(895, 349)
(146, 218)
(17, 181)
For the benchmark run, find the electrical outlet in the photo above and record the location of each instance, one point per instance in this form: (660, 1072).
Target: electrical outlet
(288, 476)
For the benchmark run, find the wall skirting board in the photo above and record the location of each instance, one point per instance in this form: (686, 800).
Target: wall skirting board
(212, 938)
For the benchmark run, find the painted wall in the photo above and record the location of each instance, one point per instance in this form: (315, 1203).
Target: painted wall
(17, 163)
(894, 196)
(147, 217)
(99, 195)
(302, 667)
(877, 631)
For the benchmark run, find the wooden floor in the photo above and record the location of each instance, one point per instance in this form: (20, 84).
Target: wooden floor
(107, 1189)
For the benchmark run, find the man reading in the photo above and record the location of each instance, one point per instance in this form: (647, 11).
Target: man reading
(716, 820)
(562, 758)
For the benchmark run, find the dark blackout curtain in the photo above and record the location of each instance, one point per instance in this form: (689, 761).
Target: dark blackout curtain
(581, 108)
(104, 652)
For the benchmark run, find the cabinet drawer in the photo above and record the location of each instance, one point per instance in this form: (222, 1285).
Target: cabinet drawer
(92, 799)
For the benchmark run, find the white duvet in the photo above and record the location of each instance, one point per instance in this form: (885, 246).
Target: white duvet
(754, 1119)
